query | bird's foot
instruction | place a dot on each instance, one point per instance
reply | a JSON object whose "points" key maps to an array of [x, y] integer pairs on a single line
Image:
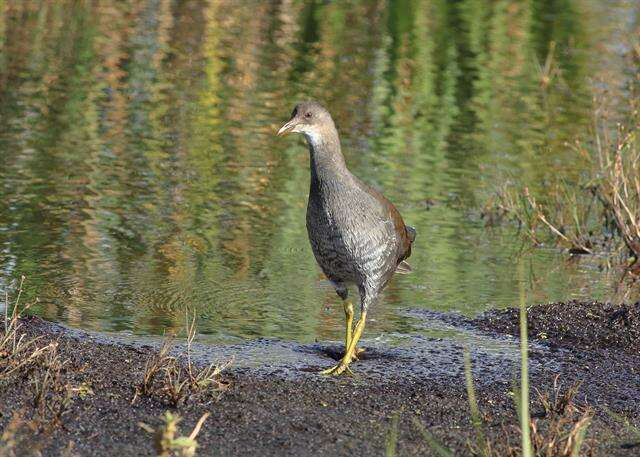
{"points": [[356, 355], [339, 369], [350, 349]]}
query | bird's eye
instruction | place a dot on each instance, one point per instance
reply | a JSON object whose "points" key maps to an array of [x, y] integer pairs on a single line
{"points": [[307, 115]]}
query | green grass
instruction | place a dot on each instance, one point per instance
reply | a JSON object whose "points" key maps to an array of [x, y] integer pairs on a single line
{"points": [[523, 411], [168, 442]]}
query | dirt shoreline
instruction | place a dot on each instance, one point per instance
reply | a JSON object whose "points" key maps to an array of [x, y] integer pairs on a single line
{"points": [[278, 414]]}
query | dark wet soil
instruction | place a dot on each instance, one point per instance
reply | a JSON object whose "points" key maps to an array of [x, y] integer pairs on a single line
{"points": [[584, 325], [279, 411]]}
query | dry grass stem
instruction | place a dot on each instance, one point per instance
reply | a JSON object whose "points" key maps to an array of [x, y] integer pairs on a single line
{"points": [[176, 378], [562, 431], [599, 214], [17, 351]]}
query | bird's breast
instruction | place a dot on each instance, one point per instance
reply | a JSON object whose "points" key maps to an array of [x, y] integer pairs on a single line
{"points": [[350, 240]]}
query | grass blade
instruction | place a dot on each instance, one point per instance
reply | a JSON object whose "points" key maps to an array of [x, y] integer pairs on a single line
{"points": [[580, 434], [392, 436], [438, 448], [476, 419], [524, 415]]}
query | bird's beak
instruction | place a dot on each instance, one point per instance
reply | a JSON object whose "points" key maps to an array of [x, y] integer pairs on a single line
{"points": [[286, 128]]}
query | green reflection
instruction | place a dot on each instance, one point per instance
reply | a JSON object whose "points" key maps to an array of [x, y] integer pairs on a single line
{"points": [[141, 175]]}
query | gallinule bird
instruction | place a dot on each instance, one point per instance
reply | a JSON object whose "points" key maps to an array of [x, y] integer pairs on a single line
{"points": [[356, 234]]}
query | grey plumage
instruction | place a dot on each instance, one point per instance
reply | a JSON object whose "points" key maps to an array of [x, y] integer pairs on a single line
{"points": [[357, 236]]}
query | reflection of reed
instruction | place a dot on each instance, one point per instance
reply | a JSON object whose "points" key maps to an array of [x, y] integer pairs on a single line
{"points": [[144, 175], [114, 23]]}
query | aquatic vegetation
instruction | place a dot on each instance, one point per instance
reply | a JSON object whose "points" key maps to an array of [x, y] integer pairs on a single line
{"points": [[618, 186], [599, 215], [596, 209]]}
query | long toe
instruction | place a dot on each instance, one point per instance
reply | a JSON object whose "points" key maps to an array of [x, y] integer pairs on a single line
{"points": [[338, 370]]}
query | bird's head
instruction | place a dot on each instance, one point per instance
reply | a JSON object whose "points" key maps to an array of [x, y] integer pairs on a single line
{"points": [[311, 119]]}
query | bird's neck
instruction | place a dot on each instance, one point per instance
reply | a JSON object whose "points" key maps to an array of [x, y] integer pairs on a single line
{"points": [[326, 159]]}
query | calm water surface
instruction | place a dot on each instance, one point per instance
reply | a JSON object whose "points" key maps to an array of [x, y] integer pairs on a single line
{"points": [[140, 174]]}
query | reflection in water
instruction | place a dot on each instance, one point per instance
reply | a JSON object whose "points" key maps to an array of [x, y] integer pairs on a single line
{"points": [[141, 175]]}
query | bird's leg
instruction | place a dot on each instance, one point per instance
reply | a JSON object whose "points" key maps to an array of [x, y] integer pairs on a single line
{"points": [[348, 312], [357, 333], [343, 366]]}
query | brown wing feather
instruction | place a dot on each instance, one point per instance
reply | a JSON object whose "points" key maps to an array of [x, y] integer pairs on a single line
{"points": [[407, 234]]}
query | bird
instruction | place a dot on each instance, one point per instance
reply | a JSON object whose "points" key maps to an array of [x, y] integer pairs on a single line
{"points": [[357, 236]]}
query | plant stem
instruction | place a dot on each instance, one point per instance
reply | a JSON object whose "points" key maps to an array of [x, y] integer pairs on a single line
{"points": [[524, 373]]}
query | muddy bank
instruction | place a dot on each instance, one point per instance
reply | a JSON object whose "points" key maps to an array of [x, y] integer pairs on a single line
{"points": [[282, 407], [584, 325]]}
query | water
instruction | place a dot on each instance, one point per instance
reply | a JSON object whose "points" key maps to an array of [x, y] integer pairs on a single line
{"points": [[141, 175]]}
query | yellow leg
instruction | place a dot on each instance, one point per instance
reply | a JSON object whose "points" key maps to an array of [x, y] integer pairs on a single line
{"points": [[348, 312], [349, 354]]}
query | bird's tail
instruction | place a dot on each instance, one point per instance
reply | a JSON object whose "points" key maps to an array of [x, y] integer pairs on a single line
{"points": [[404, 268], [411, 233]]}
